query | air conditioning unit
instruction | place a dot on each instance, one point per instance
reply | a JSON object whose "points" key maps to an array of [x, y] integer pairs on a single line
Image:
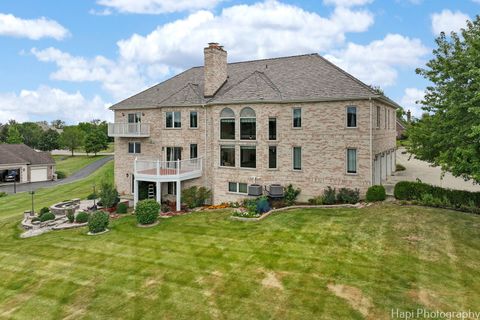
{"points": [[276, 191], [255, 190]]}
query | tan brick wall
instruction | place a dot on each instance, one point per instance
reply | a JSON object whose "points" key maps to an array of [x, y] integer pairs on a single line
{"points": [[323, 137]]}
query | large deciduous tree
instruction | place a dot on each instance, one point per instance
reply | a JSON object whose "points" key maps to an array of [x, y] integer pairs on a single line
{"points": [[95, 141], [31, 133], [449, 134], [49, 140], [71, 138], [13, 135]]}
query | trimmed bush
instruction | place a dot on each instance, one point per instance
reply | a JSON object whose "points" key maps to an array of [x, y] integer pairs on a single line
{"points": [[263, 205], [165, 208], [81, 217], [47, 216], [329, 196], [147, 211], [3, 194], [251, 206], [346, 195], [92, 196], [376, 193], [318, 200], [70, 215], [291, 195], [44, 210], [195, 197], [98, 222], [416, 191], [122, 207], [399, 167], [60, 174]]}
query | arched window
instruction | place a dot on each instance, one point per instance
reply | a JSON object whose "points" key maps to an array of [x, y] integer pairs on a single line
{"points": [[227, 124], [248, 129]]}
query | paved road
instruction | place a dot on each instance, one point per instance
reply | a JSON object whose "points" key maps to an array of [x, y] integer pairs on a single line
{"points": [[80, 174], [432, 175]]}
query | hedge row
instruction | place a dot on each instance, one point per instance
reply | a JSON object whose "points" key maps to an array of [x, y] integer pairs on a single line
{"points": [[406, 190]]}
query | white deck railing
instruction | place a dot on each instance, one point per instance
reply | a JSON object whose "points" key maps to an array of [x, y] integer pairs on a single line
{"points": [[173, 169], [124, 129]]}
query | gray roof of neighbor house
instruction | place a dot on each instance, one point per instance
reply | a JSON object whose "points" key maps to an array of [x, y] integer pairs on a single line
{"points": [[307, 77], [23, 154]]}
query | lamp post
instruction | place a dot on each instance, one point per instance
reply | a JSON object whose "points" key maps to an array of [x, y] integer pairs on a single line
{"points": [[32, 193], [94, 196]]}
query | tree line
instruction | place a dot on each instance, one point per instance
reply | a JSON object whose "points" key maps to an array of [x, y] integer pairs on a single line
{"points": [[92, 136]]}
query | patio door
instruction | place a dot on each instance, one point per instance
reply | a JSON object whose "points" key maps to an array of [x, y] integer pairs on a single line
{"points": [[134, 120], [173, 154]]}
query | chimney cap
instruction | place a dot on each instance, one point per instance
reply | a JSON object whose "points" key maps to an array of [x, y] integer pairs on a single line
{"points": [[215, 45]]}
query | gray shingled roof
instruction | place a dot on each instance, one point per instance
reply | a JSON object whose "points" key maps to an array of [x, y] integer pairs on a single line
{"points": [[20, 153], [296, 78]]}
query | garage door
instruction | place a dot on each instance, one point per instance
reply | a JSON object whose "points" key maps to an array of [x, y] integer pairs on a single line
{"points": [[38, 174]]}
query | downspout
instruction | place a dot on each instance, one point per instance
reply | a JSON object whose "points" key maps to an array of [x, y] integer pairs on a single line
{"points": [[371, 143], [205, 144]]}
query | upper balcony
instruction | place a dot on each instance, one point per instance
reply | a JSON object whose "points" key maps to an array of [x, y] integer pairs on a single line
{"points": [[129, 130], [157, 170]]}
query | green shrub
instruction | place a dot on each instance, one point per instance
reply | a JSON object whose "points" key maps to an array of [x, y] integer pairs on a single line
{"points": [[291, 195], [165, 208], [329, 196], [3, 194], [318, 200], [92, 196], [81, 217], [47, 216], [122, 207], [195, 197], [251, 206], [98, 222], [108, 195], [44, 210], [376, 193], [399, 167], [263, 205], [346, 195], [70, 215], [147, 211], [60, 174]]}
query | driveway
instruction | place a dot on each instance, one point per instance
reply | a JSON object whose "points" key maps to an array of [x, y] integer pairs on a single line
{"points": [[423, 171], [80, 174]]}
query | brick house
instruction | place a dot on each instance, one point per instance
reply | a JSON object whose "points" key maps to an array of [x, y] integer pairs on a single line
{"points": [[226, 126]]}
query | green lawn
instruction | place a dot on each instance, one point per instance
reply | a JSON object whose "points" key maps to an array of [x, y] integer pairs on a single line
{"points": [[70, 165], [303, 264]]}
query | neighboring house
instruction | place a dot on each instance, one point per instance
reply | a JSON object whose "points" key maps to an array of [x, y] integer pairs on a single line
{"points": [[27, 164], [226, 126], [400, 128]]}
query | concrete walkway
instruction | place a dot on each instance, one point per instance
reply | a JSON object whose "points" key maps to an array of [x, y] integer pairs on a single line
{"points": [[428, 174], [80, 174]]}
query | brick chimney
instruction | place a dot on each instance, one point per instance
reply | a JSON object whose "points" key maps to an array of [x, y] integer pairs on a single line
{"points": [[409, 116], [215, 69]]}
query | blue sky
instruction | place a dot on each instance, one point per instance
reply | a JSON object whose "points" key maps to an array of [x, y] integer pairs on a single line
{"points": [[72, 59]]}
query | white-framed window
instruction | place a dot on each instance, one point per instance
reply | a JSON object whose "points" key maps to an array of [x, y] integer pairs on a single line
{"points": [[238, 187], [248, 124], [134, 147], [173, 119], [193, 119], [248, 156], [272, 128], [351, 116], [193, 151], [351, 160], [227, 156], [378, 117], [297, 117], [172, 188], [272, 157], [227, 124], [297, 158]]}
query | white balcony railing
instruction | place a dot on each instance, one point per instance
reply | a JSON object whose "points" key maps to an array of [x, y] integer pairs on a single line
{"points": [[165, 170], [124, 129]]}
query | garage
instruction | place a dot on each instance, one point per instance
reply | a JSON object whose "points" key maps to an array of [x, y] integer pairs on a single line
{"points": [[38, 174]]}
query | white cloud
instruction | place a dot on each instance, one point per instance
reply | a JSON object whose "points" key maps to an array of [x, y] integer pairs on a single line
{"points": [[119, 78], [260, 30], [52, 103], [376, 62], [157, 6], [476, 1], [410, 99], [33, 29], [347, 3], [448, 21]]}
